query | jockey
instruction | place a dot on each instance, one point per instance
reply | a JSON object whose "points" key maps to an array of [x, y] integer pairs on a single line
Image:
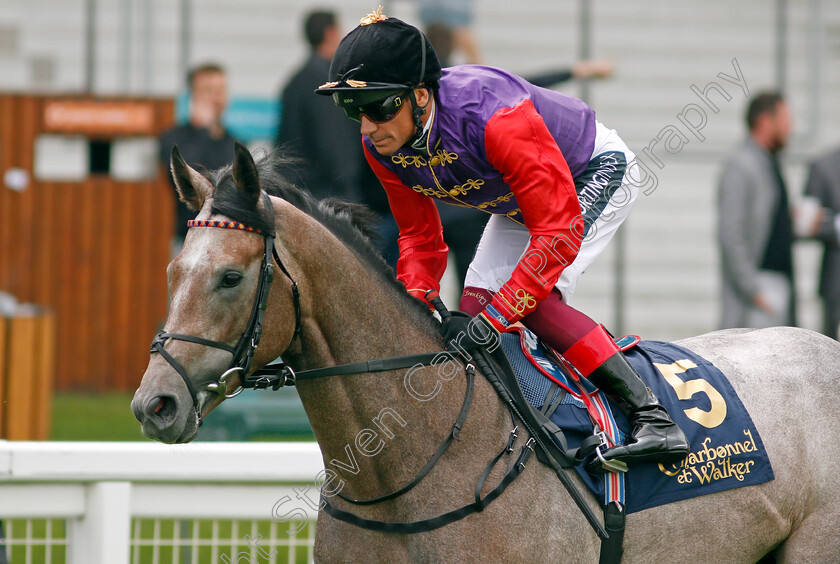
{"points": [[538, 161]]}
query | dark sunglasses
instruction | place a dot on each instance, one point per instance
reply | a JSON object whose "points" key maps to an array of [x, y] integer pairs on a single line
{"points": [[379, 111]]}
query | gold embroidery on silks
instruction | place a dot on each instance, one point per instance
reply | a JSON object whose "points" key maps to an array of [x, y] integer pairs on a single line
{"points": [[432, 192], [408, 160], [493, 203], [524, 301], [445, 157], [457, 190], [373, 17], [462, 189]]}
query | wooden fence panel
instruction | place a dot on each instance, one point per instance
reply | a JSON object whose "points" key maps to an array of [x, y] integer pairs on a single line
{"points": [[27, 370], [20, 385], [44, 377], [3, 347]]}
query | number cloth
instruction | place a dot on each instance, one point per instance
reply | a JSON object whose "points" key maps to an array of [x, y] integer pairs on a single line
{"points": [[726, 449]]}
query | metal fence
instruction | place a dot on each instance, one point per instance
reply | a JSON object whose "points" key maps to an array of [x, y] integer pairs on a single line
{"points": [[115, 503]]}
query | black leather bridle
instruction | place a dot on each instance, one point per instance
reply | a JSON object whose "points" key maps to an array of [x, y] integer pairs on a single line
{"points": [[243, 351]]}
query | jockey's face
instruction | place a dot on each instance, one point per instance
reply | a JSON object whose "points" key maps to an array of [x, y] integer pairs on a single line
{"points": [[387, 137]]}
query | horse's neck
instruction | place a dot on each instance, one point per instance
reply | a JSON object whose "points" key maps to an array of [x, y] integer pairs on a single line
{"points": [[366, 423], [353, 314]]}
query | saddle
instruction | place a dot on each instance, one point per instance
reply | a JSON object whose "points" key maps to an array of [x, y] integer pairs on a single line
{"points": [[727, 451], [552, 449], [539, 381], [548, 381]]}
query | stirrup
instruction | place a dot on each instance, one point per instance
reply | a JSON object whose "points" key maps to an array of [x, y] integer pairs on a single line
{"points": [[607, 465]]}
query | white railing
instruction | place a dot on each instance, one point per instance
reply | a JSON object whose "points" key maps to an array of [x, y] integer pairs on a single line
{"points": [[115, 503]]}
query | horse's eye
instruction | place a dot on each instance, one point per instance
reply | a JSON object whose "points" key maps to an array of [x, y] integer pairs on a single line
{"points": [[231, 279]]}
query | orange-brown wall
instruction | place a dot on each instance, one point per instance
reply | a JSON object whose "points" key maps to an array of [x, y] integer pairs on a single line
{"points": [[94, 251]]}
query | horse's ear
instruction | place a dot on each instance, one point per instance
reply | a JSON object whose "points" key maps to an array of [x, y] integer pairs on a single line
{"points": [[245, 174], [193, 188]]}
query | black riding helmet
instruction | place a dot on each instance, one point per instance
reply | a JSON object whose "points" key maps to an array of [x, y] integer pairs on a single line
{"points": [[379, 60]]}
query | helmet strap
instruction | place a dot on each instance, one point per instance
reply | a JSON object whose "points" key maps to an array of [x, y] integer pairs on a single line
{"points": [[418, 141]]}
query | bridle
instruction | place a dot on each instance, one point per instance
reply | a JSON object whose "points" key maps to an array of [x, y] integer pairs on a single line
{"points": [[243, 351]]}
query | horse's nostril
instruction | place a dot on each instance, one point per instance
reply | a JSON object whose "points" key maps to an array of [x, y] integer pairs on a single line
{"points": [[163, 408]]}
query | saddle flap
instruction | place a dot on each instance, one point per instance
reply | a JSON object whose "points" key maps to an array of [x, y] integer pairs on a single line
{"points": [[627, 342], [550, 364], [554, 368]]}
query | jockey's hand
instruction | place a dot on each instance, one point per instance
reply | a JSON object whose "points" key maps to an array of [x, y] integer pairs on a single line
{"points": [[464, 333], [421, 295]]}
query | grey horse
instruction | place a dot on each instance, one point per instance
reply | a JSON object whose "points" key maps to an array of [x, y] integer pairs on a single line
{"points": [[376, 431]]}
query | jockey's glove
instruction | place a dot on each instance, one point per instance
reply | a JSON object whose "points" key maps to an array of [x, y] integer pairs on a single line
{"points": [[464, 333]]}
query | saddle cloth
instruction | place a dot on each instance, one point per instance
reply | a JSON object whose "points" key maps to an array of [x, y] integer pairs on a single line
{"points": [[726, 449]]}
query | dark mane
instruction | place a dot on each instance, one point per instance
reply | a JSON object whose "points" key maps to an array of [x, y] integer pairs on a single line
{"points": [[353, 224]]}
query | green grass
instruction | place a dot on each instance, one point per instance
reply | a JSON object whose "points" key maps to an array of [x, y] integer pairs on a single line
{"points": [[47, 540], [108, 417], [94, 417]]}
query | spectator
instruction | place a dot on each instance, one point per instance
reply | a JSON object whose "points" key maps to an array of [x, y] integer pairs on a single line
{"points": [[314, 129], [203, 141], [824, 186], [457, 17], [593, 68], [447, 25], [755, 231]]}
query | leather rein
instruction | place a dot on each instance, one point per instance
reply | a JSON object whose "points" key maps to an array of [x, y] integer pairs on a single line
{"points": [[276, 375]]}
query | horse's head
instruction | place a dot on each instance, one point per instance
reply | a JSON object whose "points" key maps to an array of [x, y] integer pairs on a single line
{"points": [[219, 276]]}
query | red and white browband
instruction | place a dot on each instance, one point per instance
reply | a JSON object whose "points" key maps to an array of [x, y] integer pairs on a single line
{"points": [[221, 223]]}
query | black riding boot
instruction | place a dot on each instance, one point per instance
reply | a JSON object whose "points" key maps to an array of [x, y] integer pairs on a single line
{"points": [[655, 437]]}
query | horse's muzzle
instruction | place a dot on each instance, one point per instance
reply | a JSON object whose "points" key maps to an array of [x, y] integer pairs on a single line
{"points": [[161, 419]]}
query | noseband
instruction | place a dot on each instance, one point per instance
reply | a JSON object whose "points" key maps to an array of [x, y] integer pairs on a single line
{"points": [[243, 351]]}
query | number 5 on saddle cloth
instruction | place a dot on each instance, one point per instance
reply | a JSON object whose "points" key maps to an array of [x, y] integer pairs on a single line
{"points": [[726, 449]]}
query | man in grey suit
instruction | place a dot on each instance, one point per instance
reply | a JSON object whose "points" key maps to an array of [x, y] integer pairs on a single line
{"points": [[824, 185], [755, 231]]}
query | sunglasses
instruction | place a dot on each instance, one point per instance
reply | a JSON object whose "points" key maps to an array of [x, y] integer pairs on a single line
{"points": [[377, 112]]}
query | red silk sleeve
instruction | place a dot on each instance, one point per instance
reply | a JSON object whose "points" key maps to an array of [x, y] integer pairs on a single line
{"points": [[519, 145], [423, 252]]}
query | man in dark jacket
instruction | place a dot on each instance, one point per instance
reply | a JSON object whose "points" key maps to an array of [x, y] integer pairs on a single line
{"points": [[312, 128], [202, 140], [824, 185]]}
